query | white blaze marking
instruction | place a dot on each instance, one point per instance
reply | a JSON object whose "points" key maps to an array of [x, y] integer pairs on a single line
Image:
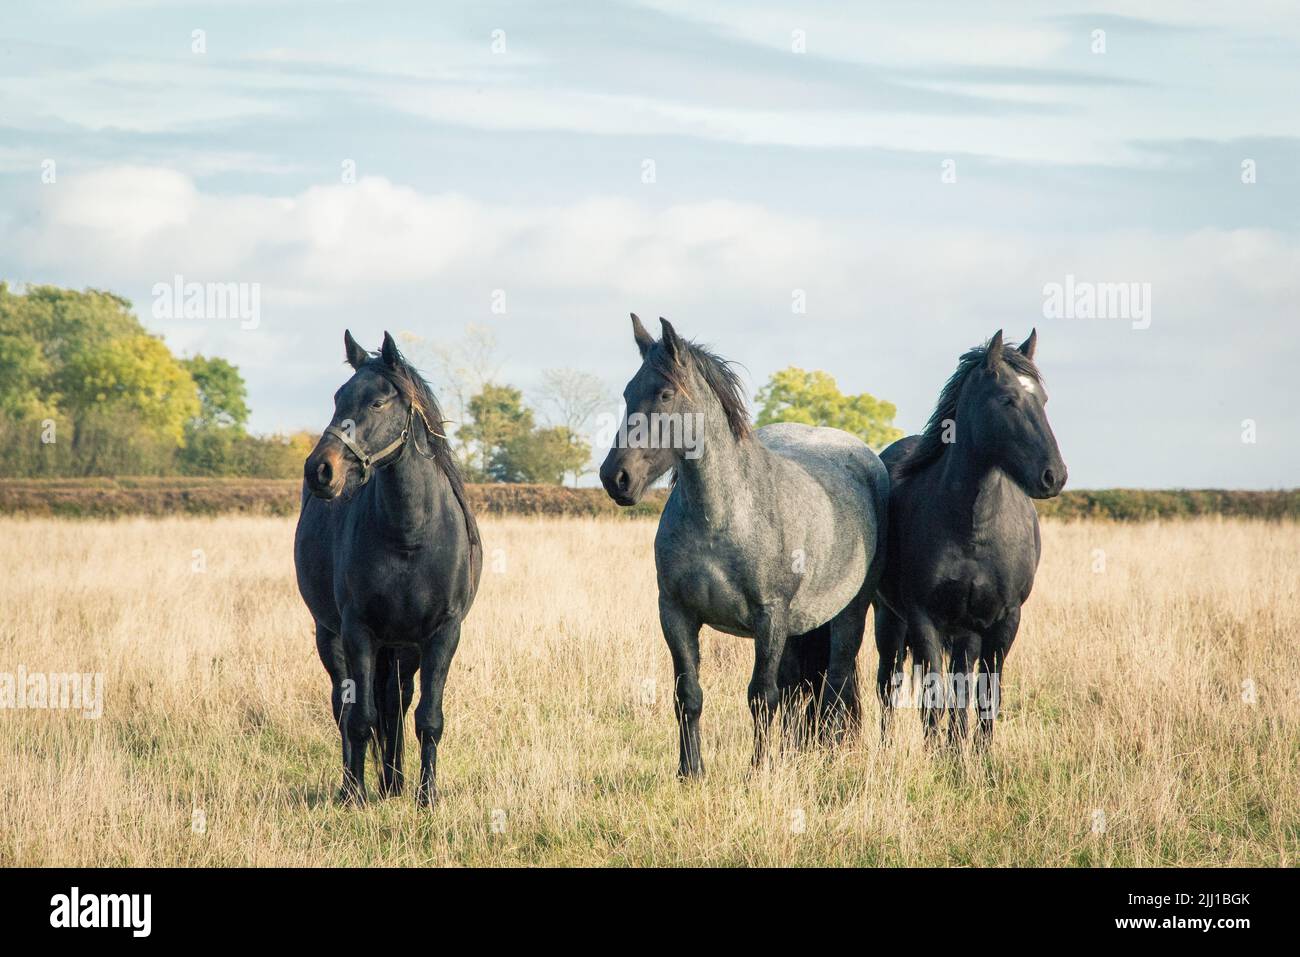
{"points": [[1027, 382]]}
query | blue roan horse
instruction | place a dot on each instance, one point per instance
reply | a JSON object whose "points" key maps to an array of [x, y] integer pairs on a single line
{"points": [[388, 559], [963, 535], [775, 535]]}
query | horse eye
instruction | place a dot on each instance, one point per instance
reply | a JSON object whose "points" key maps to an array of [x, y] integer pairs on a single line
{"points": [[378, 403], [666, 395], [1007, 399]]}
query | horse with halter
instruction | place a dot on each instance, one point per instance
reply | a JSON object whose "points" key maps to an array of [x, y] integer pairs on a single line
{"points": [[388, 559]]}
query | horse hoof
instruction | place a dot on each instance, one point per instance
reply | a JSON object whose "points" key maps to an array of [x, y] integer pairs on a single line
{"points": [[426, 797]]}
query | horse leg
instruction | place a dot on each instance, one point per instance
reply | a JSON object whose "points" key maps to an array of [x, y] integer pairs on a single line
{"points": [[790, 686], [993, 653], [891, 644], [359, 646], [801, 679], [435, 661], [408, 662], [330, 648], [965, 649], [395, 691], [927, 665], [682, 634], [769, 645], [841, 710], [385, 707]]}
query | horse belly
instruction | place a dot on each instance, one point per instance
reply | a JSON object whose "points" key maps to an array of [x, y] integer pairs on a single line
{"points": [[823, 596], [825, 567]]}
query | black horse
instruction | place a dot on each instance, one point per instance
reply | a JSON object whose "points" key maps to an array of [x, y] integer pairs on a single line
{"points": [[388, 558], [963, 535]]}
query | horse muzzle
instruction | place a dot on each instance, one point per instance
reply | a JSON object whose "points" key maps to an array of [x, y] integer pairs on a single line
{"points": [[620, 485], [1052, 481], [325, 471]]}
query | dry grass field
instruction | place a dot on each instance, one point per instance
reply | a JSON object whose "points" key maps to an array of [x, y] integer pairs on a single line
{"points": [[1128, 737]]}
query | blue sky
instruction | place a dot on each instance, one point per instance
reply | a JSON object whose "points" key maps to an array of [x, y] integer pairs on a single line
{"points": [[520, 168]]}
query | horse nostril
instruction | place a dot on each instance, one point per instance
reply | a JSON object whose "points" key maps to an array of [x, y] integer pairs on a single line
{"points": [[621, 480], [1049, 478], [324, 474]]}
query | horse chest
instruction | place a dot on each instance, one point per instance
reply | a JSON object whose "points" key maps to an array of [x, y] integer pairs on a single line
{"points": [[973, 588], [393, 596], [704, 581]]}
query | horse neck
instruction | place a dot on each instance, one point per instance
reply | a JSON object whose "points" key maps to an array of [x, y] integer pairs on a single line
{"points": [[972, 483], [410, 493], [714, 483]]}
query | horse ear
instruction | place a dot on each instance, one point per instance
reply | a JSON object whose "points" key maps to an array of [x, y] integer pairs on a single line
{"points": [[356, 356], [672, 341], [389, 351], [1029, 345], [643, 339], [993, 354]]}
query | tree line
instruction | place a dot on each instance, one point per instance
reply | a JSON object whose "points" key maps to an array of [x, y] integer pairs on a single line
{"points": [[86, 390]]}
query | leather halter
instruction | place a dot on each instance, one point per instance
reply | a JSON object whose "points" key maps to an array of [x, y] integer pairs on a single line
{"points": [[369, 461]]}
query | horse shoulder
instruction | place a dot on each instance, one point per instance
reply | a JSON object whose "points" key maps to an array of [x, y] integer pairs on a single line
{"points": [[704, 572]]}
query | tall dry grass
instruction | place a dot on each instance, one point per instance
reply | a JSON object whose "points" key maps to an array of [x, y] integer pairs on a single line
{"points": [[1126, 737]]}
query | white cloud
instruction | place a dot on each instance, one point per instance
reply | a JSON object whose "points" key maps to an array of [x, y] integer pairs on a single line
{"points": [[889, 307], [142, 223]]}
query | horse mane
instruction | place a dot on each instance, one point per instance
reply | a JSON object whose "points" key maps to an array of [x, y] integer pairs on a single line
{"points": [[416, 390], [932, 446], [717, 373]]}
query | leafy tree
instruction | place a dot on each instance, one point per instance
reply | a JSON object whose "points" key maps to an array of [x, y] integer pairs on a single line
{"points": [[63, 319], [568, 453], [80, 369], [223, 396], [813, 398], [541, 455], [497, 417], [510, 448], [23, 369], [228, 451], [136, 376]]}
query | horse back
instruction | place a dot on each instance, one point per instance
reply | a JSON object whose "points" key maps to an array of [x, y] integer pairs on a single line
{"points": [[833, 457]]}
